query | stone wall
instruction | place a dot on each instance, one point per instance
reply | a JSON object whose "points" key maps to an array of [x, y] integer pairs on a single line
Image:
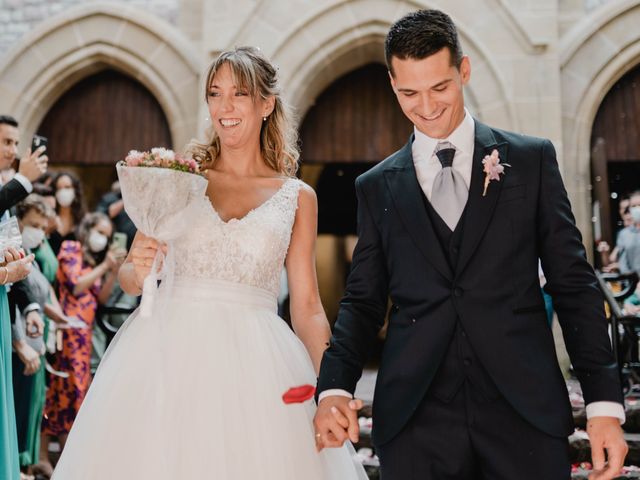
{"points": [[17, 17], [539, 67]]}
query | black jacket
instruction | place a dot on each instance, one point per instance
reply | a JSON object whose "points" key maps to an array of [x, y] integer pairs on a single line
{"points": [[494, 290], [11, 194]]}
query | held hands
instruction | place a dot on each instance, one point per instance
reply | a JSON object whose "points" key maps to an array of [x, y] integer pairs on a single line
{"points": [[605, 433], [34, 164], [143, 253], [336, 421]]}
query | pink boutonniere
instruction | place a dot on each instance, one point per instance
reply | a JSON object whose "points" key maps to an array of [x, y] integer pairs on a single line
{"points": [[492, 169]]}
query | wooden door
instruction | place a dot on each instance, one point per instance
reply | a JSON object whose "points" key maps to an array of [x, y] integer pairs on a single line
{"points": [[96, 122], [355, 123], [615, 143]]}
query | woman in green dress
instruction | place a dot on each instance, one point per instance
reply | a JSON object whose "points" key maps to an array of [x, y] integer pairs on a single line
{"points": [[29, 376], [13, 269]]}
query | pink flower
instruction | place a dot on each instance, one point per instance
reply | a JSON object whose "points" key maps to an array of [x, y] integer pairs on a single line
{"points": [[492, 169], [162, 158], [134, 158]]}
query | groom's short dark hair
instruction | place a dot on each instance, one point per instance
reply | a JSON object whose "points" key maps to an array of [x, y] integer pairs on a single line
{"points": [[420, 34]]}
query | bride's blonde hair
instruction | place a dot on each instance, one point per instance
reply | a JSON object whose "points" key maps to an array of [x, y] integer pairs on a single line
{"points": [[278, 138]]}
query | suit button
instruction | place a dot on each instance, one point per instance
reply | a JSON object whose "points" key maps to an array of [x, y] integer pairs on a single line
{"points": [[464, 334], [413, 320], [457, 292], [467, 362], [396, 308]]}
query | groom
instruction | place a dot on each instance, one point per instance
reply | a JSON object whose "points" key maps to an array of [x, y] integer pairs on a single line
{"points": [[469, 385]]}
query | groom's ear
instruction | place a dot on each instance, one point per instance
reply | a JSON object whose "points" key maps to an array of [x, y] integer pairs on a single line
{"points": [[465, 69]]}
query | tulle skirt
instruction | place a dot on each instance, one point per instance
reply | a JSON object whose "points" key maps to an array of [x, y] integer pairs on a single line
{"points": [[195, 391]]}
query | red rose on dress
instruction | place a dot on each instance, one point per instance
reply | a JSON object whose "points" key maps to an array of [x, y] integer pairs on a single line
{"points": [[299, 394]]}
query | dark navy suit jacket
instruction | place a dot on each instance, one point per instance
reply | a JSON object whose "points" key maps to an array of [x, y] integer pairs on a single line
{"points": [[494, 290]]}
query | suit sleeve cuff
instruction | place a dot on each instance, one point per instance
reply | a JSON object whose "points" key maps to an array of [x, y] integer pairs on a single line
{"points": [[24, 181], [606, 409], [334, 392]]}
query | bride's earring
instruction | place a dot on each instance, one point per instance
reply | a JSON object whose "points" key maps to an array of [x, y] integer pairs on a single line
{"points": [[264, 119]]}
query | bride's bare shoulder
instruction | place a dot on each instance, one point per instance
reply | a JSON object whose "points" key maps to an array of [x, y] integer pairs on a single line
{"points": [[307, 196]]}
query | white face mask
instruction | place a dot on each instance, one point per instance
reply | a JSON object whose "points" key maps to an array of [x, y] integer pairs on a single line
{"points": [[635, 214], [32, 237], [65, 196], [97, 241]]}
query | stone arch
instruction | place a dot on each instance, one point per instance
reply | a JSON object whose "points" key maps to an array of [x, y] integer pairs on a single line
{"points": [[594, 55], [324, 46], [90, 38]]}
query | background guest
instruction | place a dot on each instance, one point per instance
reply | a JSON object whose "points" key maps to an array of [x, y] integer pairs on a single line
{"points": [[33, 215], [86, 277], [70, 209]]}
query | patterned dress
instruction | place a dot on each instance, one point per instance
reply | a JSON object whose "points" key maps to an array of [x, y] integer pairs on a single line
{"points": [[65, 395]]}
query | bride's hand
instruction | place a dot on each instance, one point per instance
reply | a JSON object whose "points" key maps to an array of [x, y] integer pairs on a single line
{"points": [[143, 253]]}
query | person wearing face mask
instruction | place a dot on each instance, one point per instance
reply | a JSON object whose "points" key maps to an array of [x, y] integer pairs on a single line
{"points": [[13, 189], [36, 300], [45, 256], [86, 277], [69, 207], [628, 243]]}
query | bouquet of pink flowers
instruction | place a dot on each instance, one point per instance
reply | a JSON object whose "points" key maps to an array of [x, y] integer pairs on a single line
{"points": [[161, 158], [160, 190]]}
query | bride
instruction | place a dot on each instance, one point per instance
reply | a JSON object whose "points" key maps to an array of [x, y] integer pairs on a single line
{"points": [[195, 390]]}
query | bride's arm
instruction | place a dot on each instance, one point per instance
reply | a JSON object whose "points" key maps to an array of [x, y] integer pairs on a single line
{"points": [[138, 263], [307, 315]]}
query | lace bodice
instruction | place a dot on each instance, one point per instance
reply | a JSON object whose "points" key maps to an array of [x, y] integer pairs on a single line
{"points": [[250, 250]]}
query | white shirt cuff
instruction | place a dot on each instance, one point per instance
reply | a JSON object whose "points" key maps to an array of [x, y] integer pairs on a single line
{"points": [[24, 181], [32, 307], [334, 392], [606, 409]]}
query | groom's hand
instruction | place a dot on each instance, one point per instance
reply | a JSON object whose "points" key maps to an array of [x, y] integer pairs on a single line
{"points": [[336, 421], [605, 433]]}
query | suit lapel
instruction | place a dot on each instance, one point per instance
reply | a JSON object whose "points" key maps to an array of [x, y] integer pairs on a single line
{"points": [[479, 209], [408, 198]]}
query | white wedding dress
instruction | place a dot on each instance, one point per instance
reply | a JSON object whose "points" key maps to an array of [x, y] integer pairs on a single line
{"points": [[195, 389]]}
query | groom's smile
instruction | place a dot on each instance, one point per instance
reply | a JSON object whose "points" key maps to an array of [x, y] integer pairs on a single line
{"points": [[433, 117]]}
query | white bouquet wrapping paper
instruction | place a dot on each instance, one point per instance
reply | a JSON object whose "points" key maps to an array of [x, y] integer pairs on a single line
{"points": [[161, 204]]}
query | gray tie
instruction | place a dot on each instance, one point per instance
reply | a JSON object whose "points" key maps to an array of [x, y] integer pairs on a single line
{"points": [[449, 194]]}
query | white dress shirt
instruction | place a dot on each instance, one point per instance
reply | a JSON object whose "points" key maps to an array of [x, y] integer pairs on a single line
{"points": [[427, 163], [427, 167]]}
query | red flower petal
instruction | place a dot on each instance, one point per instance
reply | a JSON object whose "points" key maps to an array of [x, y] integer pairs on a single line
{"points": [[299, 394]]}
